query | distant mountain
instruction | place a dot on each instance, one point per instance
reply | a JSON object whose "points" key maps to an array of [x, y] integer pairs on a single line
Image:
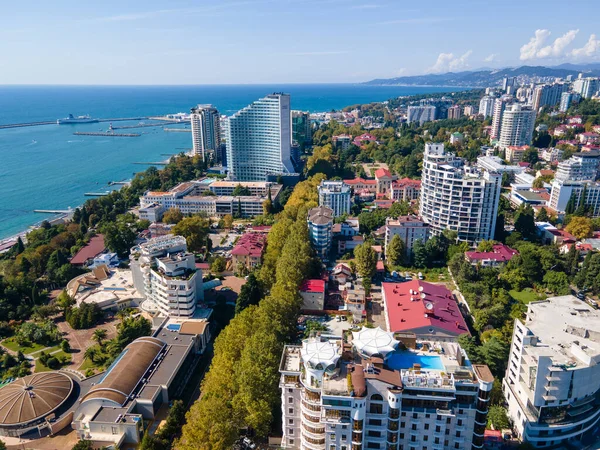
{"points": [[489, 77]]}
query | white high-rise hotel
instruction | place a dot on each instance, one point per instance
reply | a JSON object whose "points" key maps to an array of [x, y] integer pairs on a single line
{"points": [[382, 398], [458, 197], [517, 126], [552, 382], [258, 139], [206, 130]]}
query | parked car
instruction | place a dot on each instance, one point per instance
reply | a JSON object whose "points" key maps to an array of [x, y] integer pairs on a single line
{"points": [[581, 296]]}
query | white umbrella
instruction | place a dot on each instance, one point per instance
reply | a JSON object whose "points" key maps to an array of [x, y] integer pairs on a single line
{"points": [[374, 341]]}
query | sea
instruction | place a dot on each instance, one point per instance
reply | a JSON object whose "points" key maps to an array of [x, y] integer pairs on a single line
{"points": [[48, 167]]}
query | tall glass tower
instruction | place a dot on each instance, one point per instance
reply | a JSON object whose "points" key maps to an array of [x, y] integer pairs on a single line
{"points": [[258, 139]]}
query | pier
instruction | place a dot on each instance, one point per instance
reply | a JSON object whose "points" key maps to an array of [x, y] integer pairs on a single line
{"points": [[107, 133], [53, 122], [53, 211], [152, 163], [178, 130], [139, 125], [96, 194]]}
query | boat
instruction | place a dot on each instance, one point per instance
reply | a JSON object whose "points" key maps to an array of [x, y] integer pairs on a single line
{"points": [[79, 119]]}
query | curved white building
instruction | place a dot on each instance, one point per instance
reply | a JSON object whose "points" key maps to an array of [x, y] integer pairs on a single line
{"points": [[552, 382], [259, 139], [458, 197]]}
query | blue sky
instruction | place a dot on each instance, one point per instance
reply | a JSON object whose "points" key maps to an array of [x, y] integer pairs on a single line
{"points": [[269, 41]]}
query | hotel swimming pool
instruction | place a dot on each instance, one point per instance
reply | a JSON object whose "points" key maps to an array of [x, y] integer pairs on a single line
{"points": [[406, 360]]}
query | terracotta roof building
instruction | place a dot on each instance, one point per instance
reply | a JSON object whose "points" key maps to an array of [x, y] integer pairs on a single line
{"points": [[406, 190], [499, 255], [249, 250], [428, 310], [313, 294], [90, 251]]}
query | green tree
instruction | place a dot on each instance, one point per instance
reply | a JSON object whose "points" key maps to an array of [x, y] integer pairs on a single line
{"points": [[172, 215], [228, 221], [83, 445], [65, 346], [241, 191], [542, 215], [485, 246], [395, 251], [366, 260], [99, 336], [419, 254], [194, 229], [525, 223], [250, 294], [498, 418], [530, 155], [557, 282], [538, 183], [218, 265], [119, 237], [495, 354], [581, 209]]}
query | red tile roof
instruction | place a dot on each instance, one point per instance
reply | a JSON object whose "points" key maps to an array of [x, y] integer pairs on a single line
{"points": [[313, 286], [359, 180], [250, 244], [380, 173], [91, 250], [406, 306], [406, 182], [501, 253]]}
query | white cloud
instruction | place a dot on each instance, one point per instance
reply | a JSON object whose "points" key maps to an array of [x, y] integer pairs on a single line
{"points": [[447, 62], [491, 58], [536, 48], [589, 50]]}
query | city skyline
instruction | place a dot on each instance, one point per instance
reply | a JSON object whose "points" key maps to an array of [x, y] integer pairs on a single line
{"points": [[148, 43]]}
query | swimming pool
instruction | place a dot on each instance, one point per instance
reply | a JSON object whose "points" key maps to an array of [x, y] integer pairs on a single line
{"points": [[406, 360], [173, 327]]}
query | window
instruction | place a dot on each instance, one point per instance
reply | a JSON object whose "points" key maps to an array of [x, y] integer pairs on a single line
{"points": [[414, 427], [427, 426], [290, 399], [290, 410], [291, 431], [290, 390], [456, 445], [437, 429], [291, 441], [291, 421], [458, 434], [114, 430]]}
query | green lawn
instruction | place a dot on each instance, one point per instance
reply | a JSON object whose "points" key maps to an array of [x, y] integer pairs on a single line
{"points": [[39, 367], [87, 364], [527, 295], [37, 353], [433, 275], [12, 345]]}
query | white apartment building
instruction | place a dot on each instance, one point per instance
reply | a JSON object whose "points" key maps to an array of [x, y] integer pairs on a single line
{"points": [[383, 398], [565, 101], [572, 177], [259, 138], [500, 105], [165, 274], [335, 195], [206, 129], [586, 87], [517, 126], [420, 114], [320, 229], [552, 382], [409, 228], [458, 197]]}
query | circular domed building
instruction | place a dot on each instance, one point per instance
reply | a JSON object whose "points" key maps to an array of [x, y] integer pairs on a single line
{"points": [[34, 400]]}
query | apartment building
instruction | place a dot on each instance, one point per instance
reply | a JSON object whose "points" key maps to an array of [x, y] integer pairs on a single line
{"points": [[164, 273], [405, 190], [458, 197], [455, 112], [500, 105], [335, 195], [259, 139], [420, 114], [320, 226], [517, 126], [496, 164], [408, 228], [206, 129], [574, 176], [552, 383], [248, 251], [486, 106], [382, 398], [301, 127]]}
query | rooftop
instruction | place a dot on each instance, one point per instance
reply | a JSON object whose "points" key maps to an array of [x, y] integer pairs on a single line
{"points": [[313, 286], [103, 286], [320, 215], [500, 253], [359, 180], [90, 251], [250, 244], [418, 305], [380, 173], [567, 329]]}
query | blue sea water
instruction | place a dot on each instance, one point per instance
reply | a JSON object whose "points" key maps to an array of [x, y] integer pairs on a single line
{"points": [[47, 167]]}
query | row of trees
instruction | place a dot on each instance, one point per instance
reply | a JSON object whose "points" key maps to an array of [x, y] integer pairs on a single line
{"points": [[241, 388]]}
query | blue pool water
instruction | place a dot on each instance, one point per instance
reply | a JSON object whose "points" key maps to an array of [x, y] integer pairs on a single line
{"points": [[406, 360], [173, 326]]}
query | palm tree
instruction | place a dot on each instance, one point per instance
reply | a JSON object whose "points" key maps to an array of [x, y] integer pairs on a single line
{"points": [[90, 353], [99, 335]]}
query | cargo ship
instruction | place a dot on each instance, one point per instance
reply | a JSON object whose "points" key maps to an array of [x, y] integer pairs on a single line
{"points": [[79, 119]]}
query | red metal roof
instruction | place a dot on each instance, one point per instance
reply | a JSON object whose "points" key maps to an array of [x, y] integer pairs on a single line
{"points": [[501, 253], [379, 173], [408, 311], [91, 250], [251, 244], [359, 180], [313, 286]]}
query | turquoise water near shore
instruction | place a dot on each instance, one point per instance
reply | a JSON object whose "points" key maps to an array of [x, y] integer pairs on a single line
{"points": [[47, 167]]}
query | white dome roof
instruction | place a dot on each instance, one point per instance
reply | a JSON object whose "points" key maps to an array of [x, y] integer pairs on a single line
{"points": [[315, 353], [373, 341]]}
